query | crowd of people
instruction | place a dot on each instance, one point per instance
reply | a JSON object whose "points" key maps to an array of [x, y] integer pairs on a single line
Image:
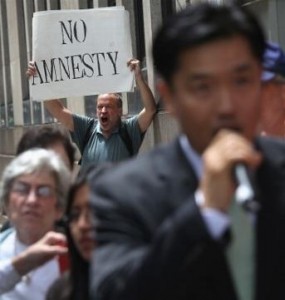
{"points": [[168, 224]]}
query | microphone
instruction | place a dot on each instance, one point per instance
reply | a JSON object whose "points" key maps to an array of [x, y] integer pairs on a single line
{"points": [[244, 193]]}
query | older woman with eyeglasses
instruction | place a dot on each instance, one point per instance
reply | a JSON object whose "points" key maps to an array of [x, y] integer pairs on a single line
{"points": [[33, 191]]}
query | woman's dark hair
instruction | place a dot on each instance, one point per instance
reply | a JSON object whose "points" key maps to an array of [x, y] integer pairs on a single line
{"points": [[79, 271], [202, 23], [79, 267]]}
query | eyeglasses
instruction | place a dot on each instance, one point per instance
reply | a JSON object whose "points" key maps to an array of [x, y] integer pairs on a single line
{"points": [[24, 189]]}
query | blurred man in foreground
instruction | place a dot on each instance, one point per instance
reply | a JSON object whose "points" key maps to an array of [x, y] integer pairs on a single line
{"points": [[166, 227]]}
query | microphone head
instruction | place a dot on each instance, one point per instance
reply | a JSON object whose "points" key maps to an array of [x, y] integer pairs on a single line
{"points": [[244, 195]]}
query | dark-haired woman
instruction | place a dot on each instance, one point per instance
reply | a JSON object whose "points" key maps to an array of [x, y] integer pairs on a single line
{"points": [[79, 224]]}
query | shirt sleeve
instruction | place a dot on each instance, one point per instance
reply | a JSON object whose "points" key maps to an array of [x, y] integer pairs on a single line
{"points": [[135, 133], [216, 221], [9, 277], [81, 124]]}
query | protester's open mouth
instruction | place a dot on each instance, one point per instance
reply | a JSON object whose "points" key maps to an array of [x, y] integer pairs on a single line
{"points": [[104, 120]]}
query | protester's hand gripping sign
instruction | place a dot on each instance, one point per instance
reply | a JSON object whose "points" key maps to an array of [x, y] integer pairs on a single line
{"points": [[81, 52]]}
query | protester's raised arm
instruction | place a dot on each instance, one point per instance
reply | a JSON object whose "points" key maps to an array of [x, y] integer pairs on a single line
{"points": [[147, 113], [55, 107], [60, 112]]}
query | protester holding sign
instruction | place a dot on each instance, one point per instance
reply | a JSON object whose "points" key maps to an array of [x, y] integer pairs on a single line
{"points": [[111, 138]]}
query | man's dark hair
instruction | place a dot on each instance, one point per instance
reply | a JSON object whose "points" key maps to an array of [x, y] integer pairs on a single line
{"points": [[45, 137], [199, 24]]}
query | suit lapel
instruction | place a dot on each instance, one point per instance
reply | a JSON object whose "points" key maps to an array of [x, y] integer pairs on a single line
{"points": [[174, 168]]}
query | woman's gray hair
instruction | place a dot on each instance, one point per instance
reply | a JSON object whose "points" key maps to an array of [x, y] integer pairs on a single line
{"points": [[33, 161]]}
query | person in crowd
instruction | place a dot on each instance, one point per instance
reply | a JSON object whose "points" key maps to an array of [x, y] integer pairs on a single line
{"points": [[48, 137], [111, 138], [273, 92], [33, 192], [78, 224], [165, 229]]}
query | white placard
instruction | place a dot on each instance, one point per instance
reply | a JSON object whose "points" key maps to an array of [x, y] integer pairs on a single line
{"points": [[81, 52]]}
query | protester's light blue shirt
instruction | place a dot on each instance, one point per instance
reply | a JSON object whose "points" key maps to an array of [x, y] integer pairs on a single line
{"points": [[99, 149]]}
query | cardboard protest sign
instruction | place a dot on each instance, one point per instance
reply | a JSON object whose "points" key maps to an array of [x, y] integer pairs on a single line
{"points": [[81, 52]]}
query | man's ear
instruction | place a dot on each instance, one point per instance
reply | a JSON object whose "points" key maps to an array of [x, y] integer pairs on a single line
{"points": [[166, 94]]}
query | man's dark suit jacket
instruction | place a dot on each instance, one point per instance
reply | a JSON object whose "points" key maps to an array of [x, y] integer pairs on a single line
{"points": [[152, 240]]}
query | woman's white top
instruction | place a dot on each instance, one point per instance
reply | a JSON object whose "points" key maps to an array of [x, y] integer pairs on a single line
{"points": [[32, 286]]}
